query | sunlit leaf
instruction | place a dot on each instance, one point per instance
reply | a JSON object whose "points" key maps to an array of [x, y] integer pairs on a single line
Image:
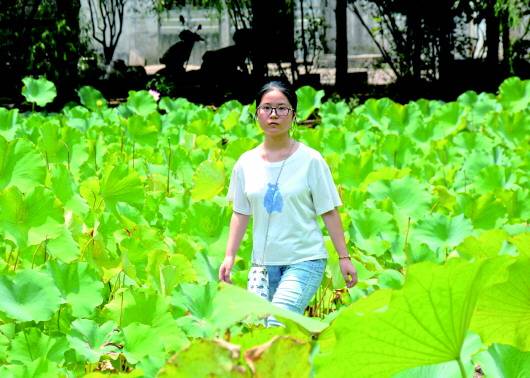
{"points": [[38, 91], [29, 295], [503, 311], [20, 164], [208, 180], [92, 340], [424, 323]]}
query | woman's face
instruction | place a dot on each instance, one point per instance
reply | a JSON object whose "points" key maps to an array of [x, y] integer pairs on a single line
{"points": [[271, 113]]}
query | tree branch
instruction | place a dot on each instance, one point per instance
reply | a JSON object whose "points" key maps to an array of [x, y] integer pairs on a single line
{"points": [[381, 49]]}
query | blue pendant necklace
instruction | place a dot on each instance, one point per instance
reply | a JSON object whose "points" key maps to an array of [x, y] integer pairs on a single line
{"points": [[273, 200]]}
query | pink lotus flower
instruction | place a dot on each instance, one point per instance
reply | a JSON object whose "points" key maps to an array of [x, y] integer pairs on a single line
{"points": [[155, 94]]}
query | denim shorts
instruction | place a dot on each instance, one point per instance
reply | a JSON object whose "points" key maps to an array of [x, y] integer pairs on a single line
{"points": [[291, 287]]}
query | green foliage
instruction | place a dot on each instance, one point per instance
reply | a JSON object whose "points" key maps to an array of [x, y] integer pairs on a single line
{"points": [[38, 91], [29, 295], [113, 223], [309, 100]]}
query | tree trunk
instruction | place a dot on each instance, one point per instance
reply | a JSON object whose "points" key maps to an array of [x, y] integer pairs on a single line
{"points": [[414, 42], [492, 35], [506, 44], [445, 41], [341, 50]]}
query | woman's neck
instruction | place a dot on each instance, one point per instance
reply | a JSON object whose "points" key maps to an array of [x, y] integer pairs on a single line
{"points": [[276, 144]]}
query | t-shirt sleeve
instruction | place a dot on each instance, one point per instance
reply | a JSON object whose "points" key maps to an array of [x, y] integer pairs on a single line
{"points": [[323, 189], [236, 191]]}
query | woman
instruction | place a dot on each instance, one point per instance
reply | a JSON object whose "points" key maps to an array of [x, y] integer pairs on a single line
{"points": [[284, 185]]}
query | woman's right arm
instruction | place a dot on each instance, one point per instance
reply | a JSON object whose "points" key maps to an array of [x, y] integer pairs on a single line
{"points": [[238, 226]]}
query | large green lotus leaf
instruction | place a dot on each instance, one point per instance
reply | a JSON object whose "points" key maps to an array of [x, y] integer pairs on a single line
{"points": [[166, 277], [480, 106], [466, 142], [144, 130], [59, 241], [34, 212], [372, 230], [208, 180], [232, 119], [487, 244], [65, 188], [50, 142], [232, 304], [29, 295], [425, 323], [200, 122], [517, 203], [8, 122], [398, 150], [38, 91], [20, 165], [311, 137], [92, 340], [493, 178], [185, 245], [353, 169], [440, 231], [39, 368], [132, 310], [275, 358], [259, 336], [139, 240], [333, 114], [79, 285], [384, 173], [226, 305], [91, 98], [513, 128], [447, 120], [403, 117], [235, 148], [334, 141], [504, 361], [121, 185], [407, 194], [182, 166], [309, 100], [206, 220], [31, 343], [443, 370], [503, 312], [522, 242], [422, 133], [375, 111], [451, 369], [140, 340], [196, 299], [205, 358], [130, 307], [177, 105], [485, 212], [7, 333], [141, 103], [390, 279], [514, 94]]}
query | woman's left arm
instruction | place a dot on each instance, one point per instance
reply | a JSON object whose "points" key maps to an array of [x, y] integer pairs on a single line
{"points": [[336, 232]]}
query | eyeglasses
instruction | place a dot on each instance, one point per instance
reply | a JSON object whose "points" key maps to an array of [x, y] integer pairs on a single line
{"points": [[281, 111]]}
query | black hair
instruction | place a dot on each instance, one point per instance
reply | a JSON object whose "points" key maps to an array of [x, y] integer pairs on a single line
{"points": [[284, 87]]}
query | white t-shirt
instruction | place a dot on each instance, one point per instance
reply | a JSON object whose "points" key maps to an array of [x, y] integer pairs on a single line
{"points": [[305, 190]]}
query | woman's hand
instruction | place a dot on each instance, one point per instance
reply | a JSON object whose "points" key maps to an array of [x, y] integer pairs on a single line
{"points": [[348, 272], [225, 268]]}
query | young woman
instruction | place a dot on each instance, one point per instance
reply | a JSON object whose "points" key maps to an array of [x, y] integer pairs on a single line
{"points": [[285, 185]]}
